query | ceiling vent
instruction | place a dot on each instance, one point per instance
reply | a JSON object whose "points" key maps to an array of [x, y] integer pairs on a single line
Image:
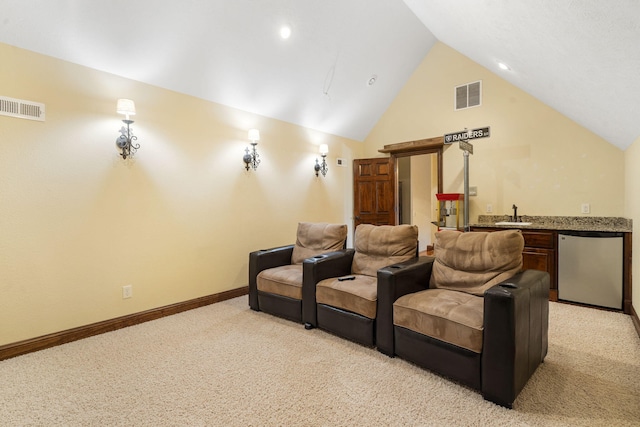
{"points": [[468, 95], [21, 109]]}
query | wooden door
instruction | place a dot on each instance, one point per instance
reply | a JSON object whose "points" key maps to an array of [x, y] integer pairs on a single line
{"points": [[374, 191]]}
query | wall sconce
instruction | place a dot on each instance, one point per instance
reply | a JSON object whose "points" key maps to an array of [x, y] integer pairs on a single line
{"points": [[251, 159], [125, 140], [322, 167]]}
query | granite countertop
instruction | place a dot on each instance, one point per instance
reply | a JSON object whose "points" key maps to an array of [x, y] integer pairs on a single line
{"points": [[566, 223]]}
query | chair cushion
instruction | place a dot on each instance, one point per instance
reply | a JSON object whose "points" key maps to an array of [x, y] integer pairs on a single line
{"points": [[378, 246], [285, 280], [449, 316], [359, 295], [474, 262], [317, 238]]}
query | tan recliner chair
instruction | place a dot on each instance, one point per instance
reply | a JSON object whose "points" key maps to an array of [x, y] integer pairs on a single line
{"points": [[470, 313], [276, 274], [344, 300]]}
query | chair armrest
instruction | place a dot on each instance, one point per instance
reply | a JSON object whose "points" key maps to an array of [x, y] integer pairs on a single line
{"points": [[515, 342], [262, 260], [317, 268], [395, 281]]}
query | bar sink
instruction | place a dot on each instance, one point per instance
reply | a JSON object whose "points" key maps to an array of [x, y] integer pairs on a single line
{"points": [[512, 223]]}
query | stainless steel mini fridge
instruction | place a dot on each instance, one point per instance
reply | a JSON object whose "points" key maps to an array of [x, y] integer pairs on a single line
{"points": [[590, 268]]}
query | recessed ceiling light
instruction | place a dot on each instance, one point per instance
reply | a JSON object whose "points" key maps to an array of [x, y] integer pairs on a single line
{"points": [[504, 66], [285, 31]]}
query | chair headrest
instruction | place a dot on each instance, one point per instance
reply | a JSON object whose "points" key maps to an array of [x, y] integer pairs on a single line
{"points": [[473, 262], [317, 238], [378, 246]]}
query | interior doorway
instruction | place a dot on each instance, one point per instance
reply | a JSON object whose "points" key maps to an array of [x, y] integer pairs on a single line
{"points": [[417, 187], [424, 179]]}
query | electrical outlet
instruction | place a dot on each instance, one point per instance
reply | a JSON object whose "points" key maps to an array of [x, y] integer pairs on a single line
{"points": [[489, 208], [585, 208], [127, 291]]}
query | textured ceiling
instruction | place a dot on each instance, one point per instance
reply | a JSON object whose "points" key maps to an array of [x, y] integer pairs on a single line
{"points": [[580, 57]]}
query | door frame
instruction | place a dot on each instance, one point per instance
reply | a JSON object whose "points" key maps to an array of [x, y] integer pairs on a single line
{"points": [[433, 145]]}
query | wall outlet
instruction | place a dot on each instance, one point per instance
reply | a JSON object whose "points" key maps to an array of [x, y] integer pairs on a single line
{"points": [[489, 208], [473, 191], [127, 291], [585, 208]]}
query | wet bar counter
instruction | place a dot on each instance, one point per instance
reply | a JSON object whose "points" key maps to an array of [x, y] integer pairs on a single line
{"points": [[561, 223], [541, 242]]}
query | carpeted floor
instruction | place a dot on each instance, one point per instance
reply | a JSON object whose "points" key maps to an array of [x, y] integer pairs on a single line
{"points": [[229, 366]]}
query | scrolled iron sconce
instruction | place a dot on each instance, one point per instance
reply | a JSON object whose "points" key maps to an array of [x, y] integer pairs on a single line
{"points": [[251, 158], [322, 167], [125, 141]]}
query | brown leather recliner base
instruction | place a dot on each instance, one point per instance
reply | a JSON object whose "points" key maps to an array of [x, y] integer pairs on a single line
{"points": [[346, 324], [448, 360], [281, 306]]}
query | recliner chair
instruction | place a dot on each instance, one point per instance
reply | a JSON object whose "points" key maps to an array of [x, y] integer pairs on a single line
{"points": [[276, 274], [343, 297], [470, 313]]}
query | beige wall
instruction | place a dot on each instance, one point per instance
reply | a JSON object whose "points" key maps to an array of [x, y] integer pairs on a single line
{"points": [[535, 158], [177, 222], [632, 160]]}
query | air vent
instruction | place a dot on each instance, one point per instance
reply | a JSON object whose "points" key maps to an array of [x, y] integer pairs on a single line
{"points": [[468, 95], [21, 109]]}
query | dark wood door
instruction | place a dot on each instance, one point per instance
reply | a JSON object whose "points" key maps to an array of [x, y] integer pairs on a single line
{"points": [[374, 191]]}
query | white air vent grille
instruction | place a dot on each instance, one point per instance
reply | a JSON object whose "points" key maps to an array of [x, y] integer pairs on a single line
{"points": [[468, 95], [21, 109]]}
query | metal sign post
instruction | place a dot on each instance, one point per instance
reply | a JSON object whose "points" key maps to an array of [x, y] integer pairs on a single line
{"points": [[467, 149], [462, 138]]}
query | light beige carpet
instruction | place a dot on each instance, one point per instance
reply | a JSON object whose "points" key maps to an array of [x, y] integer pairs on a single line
{"points": [[227, 365]]}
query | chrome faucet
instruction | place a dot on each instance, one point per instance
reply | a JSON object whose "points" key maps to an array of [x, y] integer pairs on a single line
{"points": [[515, 213]]}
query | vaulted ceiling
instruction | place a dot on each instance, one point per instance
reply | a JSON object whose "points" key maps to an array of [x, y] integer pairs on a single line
{"points": [[346, 60]]}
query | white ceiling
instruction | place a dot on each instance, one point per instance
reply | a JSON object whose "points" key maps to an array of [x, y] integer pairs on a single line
{"points": [[581, 57]]}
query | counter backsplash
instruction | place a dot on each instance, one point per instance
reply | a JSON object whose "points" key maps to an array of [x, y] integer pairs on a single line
{"points": [[587, 223]]}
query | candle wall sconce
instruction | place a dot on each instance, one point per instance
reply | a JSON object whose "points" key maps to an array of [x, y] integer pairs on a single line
{"points": [[251, 157], [125, 141], [322, 167]]}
